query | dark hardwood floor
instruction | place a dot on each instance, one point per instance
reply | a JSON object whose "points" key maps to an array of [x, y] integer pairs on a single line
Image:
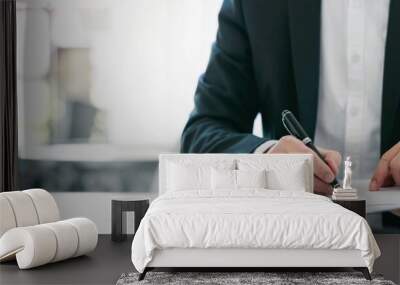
{"points": [[111, 259], [102, 266]]}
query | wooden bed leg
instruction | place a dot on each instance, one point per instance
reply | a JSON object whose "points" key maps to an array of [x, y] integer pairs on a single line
{"points": [[143, 274], [364, 271]]}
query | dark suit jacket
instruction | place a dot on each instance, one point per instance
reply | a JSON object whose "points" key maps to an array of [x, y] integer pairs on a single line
{"points": [[266, 59]]}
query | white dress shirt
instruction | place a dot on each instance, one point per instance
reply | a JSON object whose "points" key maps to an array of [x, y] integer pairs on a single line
{"points": [[353, 38]]}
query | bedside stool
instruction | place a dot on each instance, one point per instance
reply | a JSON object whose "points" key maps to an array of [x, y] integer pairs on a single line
{"points": [[356, 206], [118, 221]]}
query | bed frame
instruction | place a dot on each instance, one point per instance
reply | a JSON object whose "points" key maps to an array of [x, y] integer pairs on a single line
{"points": [[249, 259], [245, 259]]}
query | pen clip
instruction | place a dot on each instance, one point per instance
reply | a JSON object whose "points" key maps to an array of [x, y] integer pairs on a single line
{"points": [[287, 128]]}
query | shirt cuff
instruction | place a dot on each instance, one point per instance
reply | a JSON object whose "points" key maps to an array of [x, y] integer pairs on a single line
{"points": [[263, 148]]}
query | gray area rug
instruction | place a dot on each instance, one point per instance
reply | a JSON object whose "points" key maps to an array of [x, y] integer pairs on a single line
{"points": [[269, 278]]}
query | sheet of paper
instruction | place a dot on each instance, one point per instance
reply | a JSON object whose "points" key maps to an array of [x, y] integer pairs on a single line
{"points": [[394, 188], [386, 199]]}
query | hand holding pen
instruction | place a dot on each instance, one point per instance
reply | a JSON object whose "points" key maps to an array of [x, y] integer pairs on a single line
{"points": [[326, 162]]}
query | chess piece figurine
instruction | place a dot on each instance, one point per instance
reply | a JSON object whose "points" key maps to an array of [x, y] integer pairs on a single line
{"points": [[347, 174]]}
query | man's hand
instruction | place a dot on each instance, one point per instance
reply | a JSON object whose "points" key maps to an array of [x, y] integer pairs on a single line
{"points": [[387, 173], [323, 174]]}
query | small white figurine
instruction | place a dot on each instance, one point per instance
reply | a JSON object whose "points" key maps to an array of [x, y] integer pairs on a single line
{"points": [[347, 192], [347, 174]]}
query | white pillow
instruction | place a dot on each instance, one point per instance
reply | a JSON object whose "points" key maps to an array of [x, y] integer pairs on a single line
{"points": [[187, 177], [193, 174], [251, 178], [295, 180], [282, 174], [225, 179]]}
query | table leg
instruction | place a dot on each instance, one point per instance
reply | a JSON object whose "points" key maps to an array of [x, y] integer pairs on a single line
{"points": [[140, 211], [116, 221]]}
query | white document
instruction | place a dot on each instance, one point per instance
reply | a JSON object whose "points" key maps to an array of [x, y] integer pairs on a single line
{"points": [[386, 199]]}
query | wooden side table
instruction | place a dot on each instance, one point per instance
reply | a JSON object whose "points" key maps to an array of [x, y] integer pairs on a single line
{"points": [[356, 206], [118, 221]]}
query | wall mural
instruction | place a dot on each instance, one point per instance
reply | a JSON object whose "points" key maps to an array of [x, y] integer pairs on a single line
{"points": [[104, 86]]}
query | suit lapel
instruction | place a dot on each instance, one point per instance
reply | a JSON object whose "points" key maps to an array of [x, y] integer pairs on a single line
{"points": [[305, 24], [390, 133]]}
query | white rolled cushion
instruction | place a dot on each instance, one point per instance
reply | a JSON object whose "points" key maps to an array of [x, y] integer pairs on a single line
{"points": [[251, 178], [87, 234], [37, 245], [33, 246], [7, 218], [45, 205], [223, 179], [67, 239], [23, 208]]}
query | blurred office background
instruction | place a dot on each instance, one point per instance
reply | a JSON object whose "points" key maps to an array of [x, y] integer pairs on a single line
{"points": [[104, 86]]}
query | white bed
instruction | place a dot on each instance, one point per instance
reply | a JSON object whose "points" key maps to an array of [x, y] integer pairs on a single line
{"points": [[197, 224]]}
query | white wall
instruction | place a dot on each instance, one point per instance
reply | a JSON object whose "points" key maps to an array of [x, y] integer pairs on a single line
{"points": [[95, 206]]}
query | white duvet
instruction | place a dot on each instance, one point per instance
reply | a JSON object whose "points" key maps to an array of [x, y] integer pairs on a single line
{"points": [[250, 219]]}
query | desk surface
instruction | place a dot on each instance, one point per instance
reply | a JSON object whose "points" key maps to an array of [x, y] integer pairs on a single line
{"points": [[384, 223], [379, 207]]}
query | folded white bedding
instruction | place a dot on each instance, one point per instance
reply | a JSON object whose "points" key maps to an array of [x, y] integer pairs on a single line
{"points": [[250, 219]]}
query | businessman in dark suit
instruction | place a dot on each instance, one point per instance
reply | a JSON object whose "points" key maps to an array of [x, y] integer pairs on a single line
{"points": [[334, 64]]}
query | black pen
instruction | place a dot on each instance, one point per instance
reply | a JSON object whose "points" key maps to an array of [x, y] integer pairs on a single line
{"points": [[295, 129]]}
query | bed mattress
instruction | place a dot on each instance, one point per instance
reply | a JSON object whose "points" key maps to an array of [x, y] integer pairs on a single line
{"points": [[250, 219]]}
